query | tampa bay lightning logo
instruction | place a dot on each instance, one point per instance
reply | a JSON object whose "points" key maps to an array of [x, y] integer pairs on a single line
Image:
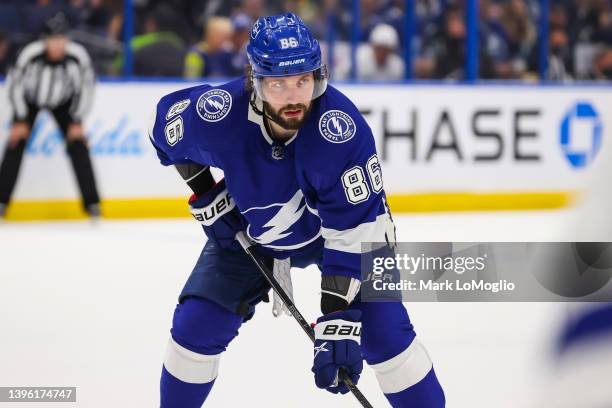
{"points": [[214, 105], [256, 29], [284, 225], [337, 126], [280, 223]]}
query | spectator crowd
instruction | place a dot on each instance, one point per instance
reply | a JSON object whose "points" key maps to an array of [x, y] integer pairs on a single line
{"points": [[207, 38]]}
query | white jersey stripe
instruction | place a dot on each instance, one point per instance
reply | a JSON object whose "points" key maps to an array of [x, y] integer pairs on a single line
{"points": [[43, 87], [17, 94], [404, 370], [350, 240], [289, 247], [56, 85], [190, 367]]}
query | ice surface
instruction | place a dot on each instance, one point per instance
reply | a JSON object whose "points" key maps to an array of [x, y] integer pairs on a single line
{"points": [[91, 306]]}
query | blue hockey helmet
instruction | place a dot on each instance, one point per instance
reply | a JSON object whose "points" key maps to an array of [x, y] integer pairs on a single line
{"points": [[282, 45]]}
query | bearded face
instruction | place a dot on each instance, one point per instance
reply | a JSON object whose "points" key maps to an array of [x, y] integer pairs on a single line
{"points": [[288, 100], [290, 117]]}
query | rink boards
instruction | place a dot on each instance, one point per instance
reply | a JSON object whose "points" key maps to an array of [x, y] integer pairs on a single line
{"points": [[442, 148]]}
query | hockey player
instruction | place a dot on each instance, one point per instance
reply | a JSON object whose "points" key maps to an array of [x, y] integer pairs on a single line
{"points": [[306, 187]]}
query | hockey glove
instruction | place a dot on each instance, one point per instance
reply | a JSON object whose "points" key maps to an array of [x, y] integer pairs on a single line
{"points": [[337, 344], [219, 216]]}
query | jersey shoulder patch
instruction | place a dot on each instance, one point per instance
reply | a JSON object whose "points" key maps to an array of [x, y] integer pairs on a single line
{"points": [[169, 123], [341, 138], [217, 103], [199, 122], [339, 120], [177, 108], [214, 105], [337, 126], [168, 126]]}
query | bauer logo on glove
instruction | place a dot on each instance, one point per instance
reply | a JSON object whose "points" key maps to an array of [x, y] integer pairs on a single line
{"points": [[342, 330], [208, 211], [218, 214], [337, 345]]}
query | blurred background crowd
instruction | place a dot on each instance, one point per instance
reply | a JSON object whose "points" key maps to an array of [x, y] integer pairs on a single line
{"points": [[207, 38]]}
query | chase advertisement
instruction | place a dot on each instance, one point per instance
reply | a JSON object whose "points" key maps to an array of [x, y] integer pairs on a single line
{"points": [[429, 138]]}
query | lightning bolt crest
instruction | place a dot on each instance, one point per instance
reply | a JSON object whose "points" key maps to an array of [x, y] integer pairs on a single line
{"points": [[336, 124], [288, 215], [215, 104]]}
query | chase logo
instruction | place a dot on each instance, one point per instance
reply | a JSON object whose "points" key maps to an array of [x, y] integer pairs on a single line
{"points": [[580, 134], [214, 105], [336, 126]]}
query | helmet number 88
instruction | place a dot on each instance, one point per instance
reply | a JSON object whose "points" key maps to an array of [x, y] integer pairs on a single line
{"points": [[355, 184], [290, 42]]}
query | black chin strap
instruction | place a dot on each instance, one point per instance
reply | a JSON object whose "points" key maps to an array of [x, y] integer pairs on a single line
{"points": [[258, 111], [261, 112]]}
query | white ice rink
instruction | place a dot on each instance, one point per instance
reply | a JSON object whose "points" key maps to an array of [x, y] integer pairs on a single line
{"points": [[91, 306]]}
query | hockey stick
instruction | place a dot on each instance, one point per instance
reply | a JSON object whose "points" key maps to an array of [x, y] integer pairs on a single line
{"points": [[269, 275]]}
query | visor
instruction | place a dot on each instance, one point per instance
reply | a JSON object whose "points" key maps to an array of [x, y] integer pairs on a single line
{"points": [[273, 87]]}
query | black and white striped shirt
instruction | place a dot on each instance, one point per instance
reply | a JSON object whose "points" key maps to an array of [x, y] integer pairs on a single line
{"points": [[47, 85]]}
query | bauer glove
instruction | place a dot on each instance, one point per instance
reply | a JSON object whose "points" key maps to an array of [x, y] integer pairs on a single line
{"points": [[337, 345], [219, 216]]}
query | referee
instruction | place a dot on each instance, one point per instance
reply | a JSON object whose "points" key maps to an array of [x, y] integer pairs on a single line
{"points": [[55, 74]]}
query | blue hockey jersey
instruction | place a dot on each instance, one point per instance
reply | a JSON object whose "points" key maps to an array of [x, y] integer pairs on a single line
{"points": [[324, 182]]}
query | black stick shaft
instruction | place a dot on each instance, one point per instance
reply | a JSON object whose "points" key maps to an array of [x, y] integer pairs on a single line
{"points": [[278, 289]]}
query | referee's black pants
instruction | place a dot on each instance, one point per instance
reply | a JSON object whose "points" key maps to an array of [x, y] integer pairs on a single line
{"points": [[77, 151]]}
